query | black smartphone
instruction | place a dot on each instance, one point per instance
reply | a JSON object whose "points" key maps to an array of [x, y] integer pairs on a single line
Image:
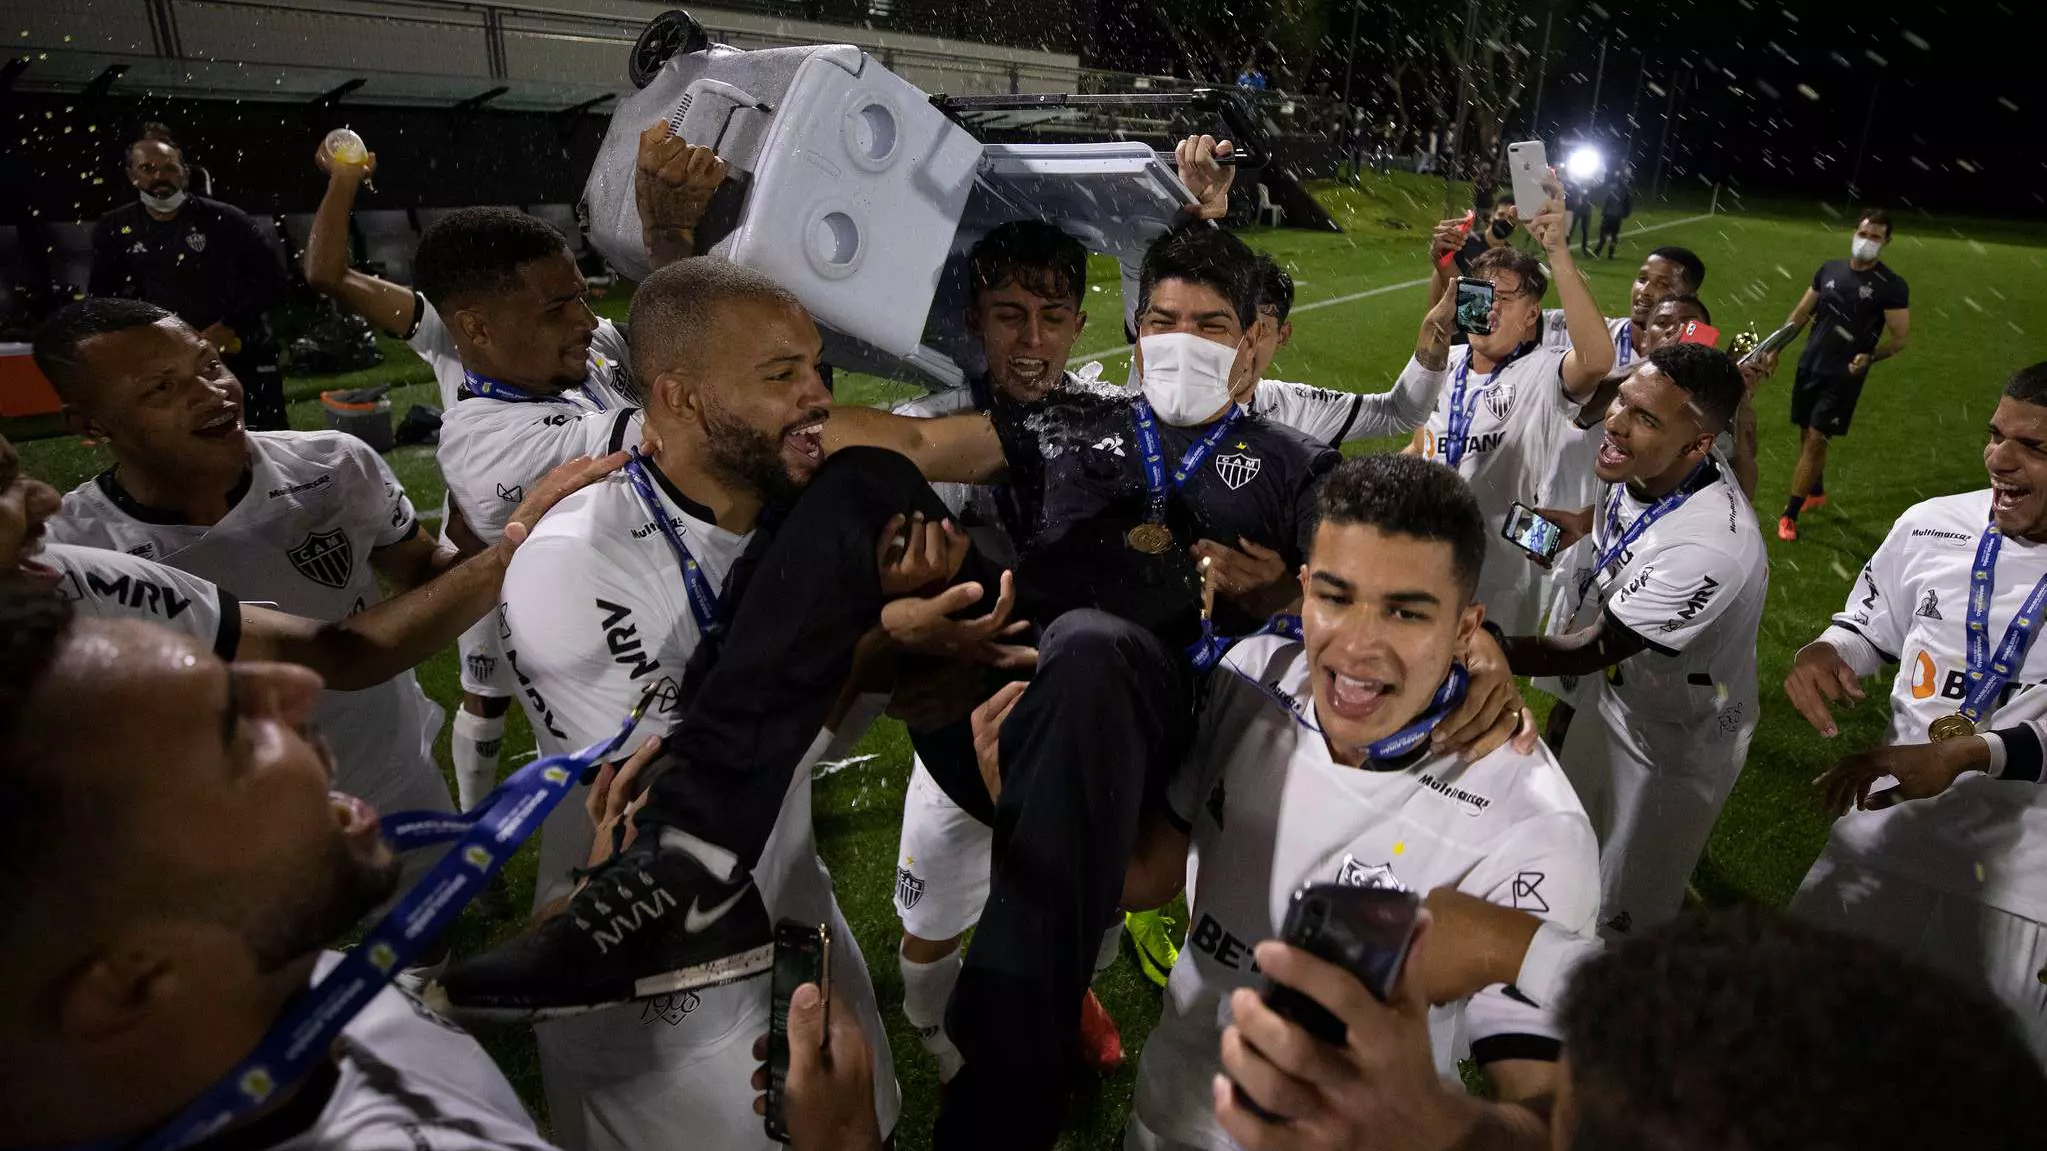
{"points": [[1364, 930], [1533, 534], [1474, 306], [803, 954]]}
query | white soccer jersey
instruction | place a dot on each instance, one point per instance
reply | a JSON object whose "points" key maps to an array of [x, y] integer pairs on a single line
{"points": [[595, 615], [1518, 425], [300, 533], [1983, 838], [407, 1078], [1270, 811], [1331, 417], [115, 585], [432, 342], [1692, 586], [1576, 484], [493, 451]]}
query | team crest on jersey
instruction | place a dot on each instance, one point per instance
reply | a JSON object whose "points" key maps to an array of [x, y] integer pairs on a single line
{"points": [[326, 558], [195, 241], [1499, 399], [482, 667], [1929, 608], [1238, 469], [909, 889], [1355, 874]]}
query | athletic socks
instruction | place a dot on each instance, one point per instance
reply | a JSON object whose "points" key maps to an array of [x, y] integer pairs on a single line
{"points": [[1796, 505], [475, 742], [927, 988]]}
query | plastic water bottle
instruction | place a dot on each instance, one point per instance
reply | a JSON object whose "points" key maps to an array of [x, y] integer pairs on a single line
{"points": [[346, 147]]}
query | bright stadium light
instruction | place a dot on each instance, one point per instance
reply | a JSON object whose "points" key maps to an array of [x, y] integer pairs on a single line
{"points": [[1584, 164]]}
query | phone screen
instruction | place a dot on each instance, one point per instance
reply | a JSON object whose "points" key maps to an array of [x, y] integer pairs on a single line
{"points": [[1474, 306], [1531, 533], [802, 955]]}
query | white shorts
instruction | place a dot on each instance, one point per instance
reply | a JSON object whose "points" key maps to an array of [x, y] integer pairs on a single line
{"points": [[482, 648], [942, 871], [1975, 942], [1653, 793]]}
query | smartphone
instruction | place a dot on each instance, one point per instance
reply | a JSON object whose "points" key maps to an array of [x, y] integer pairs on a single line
{"points": [[1696, 332], [1528, 164], [1364, 930], [1474, 306], [803, 954], [1464, 229], [1539, 537]]}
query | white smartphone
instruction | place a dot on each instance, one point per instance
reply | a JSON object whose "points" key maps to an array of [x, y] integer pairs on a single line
{"points": [[1528, 162]]}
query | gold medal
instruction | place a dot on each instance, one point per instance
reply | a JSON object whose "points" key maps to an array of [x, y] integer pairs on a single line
{"points": [[1151, 539], [1949, 727]]}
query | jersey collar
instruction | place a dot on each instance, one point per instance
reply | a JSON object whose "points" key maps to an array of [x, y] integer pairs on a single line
{"points": [[110, 486], [674, 494]]}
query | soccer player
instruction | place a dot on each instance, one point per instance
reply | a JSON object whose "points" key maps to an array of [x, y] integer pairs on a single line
{"points": [[1325, 414], [307, 521], [1953, 597], [1660, 638], [204, 260], [1715, 1031], [356, 651], [615, 595], [499, 313], [1506, 415], [1311, 764], [1860, 309]]}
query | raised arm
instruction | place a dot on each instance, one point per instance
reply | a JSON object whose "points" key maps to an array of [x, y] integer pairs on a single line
{"points": [[962, 449], [387, 305], [373, 645], [672, 185]]}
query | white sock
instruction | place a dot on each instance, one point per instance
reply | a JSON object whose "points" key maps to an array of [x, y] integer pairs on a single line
{"points": [[474, 742], [1112, 944], [927, 988]]}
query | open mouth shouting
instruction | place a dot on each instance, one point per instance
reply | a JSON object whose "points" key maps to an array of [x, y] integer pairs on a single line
{"points": [[805, 440], [2006, 497], [221, 423], [1355, 698], [1613, 457]]}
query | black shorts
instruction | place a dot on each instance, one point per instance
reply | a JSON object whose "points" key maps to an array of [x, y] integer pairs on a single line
{"points": [[1824, 403]]}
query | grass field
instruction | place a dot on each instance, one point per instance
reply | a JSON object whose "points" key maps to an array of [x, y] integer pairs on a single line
{"points": [[1977, 289]]}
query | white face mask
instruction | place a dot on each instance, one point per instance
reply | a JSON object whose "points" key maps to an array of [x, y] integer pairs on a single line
{"points": [[1866, 249], [1186, 377], [168, 203]]}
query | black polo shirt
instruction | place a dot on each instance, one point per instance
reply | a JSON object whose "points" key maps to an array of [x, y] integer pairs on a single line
{"points": [[209, 264]]}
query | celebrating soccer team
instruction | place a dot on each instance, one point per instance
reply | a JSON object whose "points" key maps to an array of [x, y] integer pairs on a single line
{"points": [[1148, 642]]}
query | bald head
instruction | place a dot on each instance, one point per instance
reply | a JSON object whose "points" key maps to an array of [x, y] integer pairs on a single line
{"points": [[683, 315]]}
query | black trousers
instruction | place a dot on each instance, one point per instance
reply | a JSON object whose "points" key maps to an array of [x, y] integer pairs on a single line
{"points": [[256, 366], [1581, 228], [796, 608], [1085, 754]]}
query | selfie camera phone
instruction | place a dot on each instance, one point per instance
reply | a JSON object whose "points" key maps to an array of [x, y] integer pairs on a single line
{"points": [[803, 954], [1364, 930], [1463, 229], [1528, 531], [1528, 164], [1474, 306], [1697, 332]]}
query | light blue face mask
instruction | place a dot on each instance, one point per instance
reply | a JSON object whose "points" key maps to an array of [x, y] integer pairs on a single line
{"points": [[170, 203]]}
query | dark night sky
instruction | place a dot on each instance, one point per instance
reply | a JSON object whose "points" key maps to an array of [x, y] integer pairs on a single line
{"points": [[1777, 93]]}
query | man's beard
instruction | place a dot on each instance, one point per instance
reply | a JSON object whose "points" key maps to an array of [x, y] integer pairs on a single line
{"points": [[346, 889], [752, 458]]}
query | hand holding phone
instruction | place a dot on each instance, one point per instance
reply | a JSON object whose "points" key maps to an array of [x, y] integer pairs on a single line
{"points": [[1526, 529], [1699, 332], [803, 954], [1528, 165], [1463, 230]]}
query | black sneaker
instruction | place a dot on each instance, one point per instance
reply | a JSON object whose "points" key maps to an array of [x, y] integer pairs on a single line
{"points": [[648, 922]]}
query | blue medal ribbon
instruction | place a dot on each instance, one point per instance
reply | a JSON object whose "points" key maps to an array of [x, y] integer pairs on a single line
{"points": [[1206, 652], [487, 836], [1988, 671], [486, 388], [703, 602], [1461, 412], [1624, 344], [1155, 460], [1656, 511]]}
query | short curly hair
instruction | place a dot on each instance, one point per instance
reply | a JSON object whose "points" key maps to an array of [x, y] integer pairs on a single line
{"points": [[1743, 1030], [1408, 496]]}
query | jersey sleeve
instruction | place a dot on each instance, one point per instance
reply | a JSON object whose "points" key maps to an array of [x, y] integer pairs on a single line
{"points": [[581, 635], [1879, 607], [1676, 594], [490, 469], [1899, 295], [1547, 866], [115, 585], [396, 520], [430, 337]]}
